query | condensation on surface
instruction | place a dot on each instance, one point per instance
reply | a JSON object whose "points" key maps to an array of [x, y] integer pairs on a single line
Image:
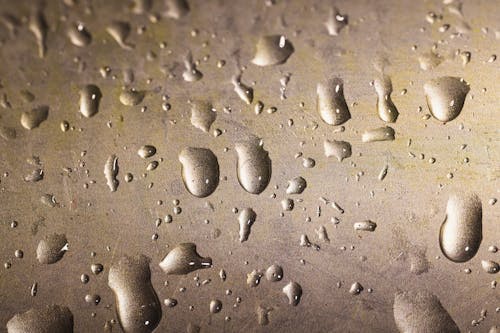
{"points": [[249, 166]]}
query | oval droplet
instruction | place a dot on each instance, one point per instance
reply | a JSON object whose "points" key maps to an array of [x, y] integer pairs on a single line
{"points": [[90, 96], [379, 134], [200, 171], [272, 50], [461, 231], [253, 166], [331, 103]]}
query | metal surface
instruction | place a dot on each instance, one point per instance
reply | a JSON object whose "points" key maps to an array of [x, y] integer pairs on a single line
{"points": [[402, 185]]}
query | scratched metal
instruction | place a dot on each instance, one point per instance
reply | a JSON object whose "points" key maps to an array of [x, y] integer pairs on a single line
{"points": [[427, 161]]}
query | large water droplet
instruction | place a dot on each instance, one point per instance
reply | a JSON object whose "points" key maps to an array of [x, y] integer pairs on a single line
{"points": [[387, 111], [200, 171], [446, 97], [52, 318], [416, 312], [331, 102], [33, 118], [272, 50], [79, 35], [137, 304], [461, 231], [253, 166], [184, 259], [52, 248]]}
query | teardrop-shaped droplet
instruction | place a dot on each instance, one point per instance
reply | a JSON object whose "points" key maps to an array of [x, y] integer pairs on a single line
{"points": [[137, 304], [184, 259], [52, 318], [337, 149], [272, 50], [387, 111], [461, 232], [446, 97], [200, 171], [246, 219], [51, 249], [120, 31], [90, 97], [202, 115], [242, 90], [33, 118], [79, 35], [331, 103], [417, 312], [293, 291], [253, 166]]}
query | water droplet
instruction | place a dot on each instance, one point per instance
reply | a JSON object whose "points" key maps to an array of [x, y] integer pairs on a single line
{"points": [[38, 26], [253, 278], [461, 231], [296, 185], [52, 248], [246, 219], [421, 311], [33, 118], [336, 22], [90, 96], [111, 172], [176, 8], [490, 266], [52, 318], [244, 92], [338, 149], [79, 35], [120, 31], [200, 171], [378, 134], [137, 304], [365, 225], [146, 151], [131, 97], [215, 306], [274, 273], [253, 166], [446, 97], [356, 288], [263, 315], [331, 102], [293, 291], [202, 115], [184, 259], [191, 73], [387, 111], [272, 50]]}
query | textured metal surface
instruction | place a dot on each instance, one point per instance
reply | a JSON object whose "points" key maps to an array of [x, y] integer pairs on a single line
{"points": [[402, 185]]}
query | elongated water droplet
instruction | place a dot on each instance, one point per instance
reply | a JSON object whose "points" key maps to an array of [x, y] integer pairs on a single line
{"points": [[253, 166], [416, 312], [365, 225], [200, 171], [38, 26], [137, 304], [293, 291], [387, 111], [111, 172], [191, 73], [51, 249], [33, 118], [331, 103], [244, 92], [90, 97], [446, 97], [120, 31], [461, 231], [52, 318], [272, 50], [184, 259], [378, 134], [337, 149], [246, 219], [79, 35]]}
